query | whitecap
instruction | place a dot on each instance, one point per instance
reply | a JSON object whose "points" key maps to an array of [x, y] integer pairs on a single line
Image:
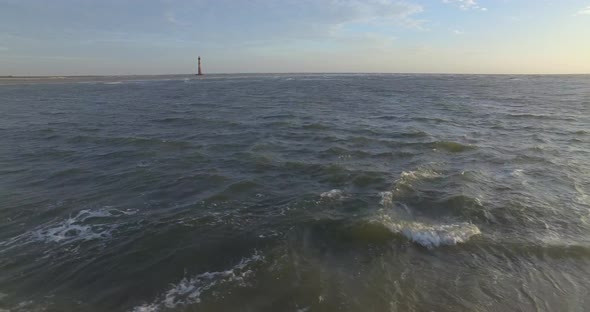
{"points": [[517, 173], [142, 164], [146, 308], [581, 196], [332, 194], [419, 174], [189, 290], [408, 179], [431, 235], [386, 198]]}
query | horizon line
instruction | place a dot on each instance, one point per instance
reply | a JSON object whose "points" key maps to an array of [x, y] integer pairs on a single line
{"points": [[289, 73]]}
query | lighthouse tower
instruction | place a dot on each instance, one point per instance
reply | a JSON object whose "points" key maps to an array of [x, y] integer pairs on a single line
{"points": [[200, 71]]}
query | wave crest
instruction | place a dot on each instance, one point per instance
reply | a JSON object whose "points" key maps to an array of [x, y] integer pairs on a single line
{"points": [[431, 235], [406, 182], [452, 147], [189, 290], [334, 194]]}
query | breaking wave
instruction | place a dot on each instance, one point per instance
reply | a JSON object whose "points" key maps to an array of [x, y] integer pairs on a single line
{"points": [[426, 234], [419, 174], [386, 198], [406, 182], [430, 235], [334, 194], [189, 290]]}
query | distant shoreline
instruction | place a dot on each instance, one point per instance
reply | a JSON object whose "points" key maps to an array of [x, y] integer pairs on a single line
{"points": [[11, 80], [282, 73]]}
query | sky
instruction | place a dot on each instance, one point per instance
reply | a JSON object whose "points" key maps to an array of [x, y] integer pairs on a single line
{"points": [[121, 37]]}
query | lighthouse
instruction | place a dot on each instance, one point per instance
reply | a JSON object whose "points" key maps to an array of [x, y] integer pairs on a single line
{"points": [[200, 71]]}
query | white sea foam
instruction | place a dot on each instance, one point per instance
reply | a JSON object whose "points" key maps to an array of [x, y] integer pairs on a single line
{"points": [[85, 225], [520, 175], [517, 172], [431, 235], [408, 179], [189, 290], [386, 198], [143, 164], [146, 308], [77, 228], [333, 194], [419, 174], [581, 197]]}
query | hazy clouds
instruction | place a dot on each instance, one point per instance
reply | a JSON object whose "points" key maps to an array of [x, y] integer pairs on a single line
{"points": [[165, 36]]}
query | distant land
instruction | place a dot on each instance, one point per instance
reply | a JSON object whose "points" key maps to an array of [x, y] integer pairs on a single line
{"points": [[115, 79], [88, 79]]}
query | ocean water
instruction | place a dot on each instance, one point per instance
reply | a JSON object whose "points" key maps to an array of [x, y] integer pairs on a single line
{"points": [[295, 193]]}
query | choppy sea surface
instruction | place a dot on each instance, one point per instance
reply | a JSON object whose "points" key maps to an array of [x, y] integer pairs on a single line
{"points": [[296, 193]]}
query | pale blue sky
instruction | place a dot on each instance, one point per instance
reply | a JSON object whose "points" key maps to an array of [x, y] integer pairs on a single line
{"points": [[77, 37]]}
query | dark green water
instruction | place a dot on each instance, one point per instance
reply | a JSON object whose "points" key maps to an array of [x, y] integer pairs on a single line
{"points": [[296, 193]]}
